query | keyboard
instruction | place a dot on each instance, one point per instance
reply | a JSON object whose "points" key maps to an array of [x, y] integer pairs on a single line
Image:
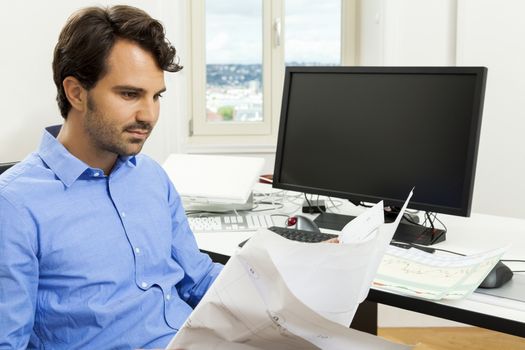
{"points": [[231, 222], [298, 235], [302, 235]]}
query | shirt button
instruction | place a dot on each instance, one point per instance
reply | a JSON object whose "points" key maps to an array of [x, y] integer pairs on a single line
{"points": [[168, 297], [137, 250], [123, 214], [96, 174], [144, 284]]}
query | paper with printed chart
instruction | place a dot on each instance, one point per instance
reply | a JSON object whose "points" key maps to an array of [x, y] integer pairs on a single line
{"points": [[432, 276], [281, 294]]}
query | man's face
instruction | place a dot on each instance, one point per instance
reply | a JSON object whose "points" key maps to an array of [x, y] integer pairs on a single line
{"points": [[123, 106]]}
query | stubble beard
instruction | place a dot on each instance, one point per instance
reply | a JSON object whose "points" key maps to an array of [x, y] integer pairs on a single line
{"points": [[108, 136]]}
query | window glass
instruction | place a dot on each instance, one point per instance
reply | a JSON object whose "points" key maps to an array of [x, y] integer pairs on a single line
{"points": [[313, 32], [234, 42]]}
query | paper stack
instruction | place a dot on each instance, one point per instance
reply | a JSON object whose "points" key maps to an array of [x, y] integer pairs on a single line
{"points": [[281, 294], [432, 276]]}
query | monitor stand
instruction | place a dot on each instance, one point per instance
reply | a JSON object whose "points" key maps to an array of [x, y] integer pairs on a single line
{"points": [[406, 232]]}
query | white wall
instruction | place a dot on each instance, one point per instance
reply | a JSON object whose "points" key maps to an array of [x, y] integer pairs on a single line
{"points": [[407, 32], [492, 34], [419, 32], [28, 33], [465, 32]]}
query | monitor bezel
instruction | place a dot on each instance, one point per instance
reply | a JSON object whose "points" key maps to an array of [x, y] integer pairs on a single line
{"points": [[473, 143]]}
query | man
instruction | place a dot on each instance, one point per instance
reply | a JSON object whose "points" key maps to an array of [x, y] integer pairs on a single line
{"points": [[95, 248]]}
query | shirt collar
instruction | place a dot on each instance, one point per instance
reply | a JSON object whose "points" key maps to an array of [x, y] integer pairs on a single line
{"points": [[67, 167], [130, 160]]}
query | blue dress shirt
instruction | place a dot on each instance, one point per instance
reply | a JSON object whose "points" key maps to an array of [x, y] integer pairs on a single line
{"points": [[89, 261]]}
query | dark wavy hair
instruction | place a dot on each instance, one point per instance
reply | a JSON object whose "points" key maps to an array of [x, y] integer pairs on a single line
{"points": [[88, 37]]}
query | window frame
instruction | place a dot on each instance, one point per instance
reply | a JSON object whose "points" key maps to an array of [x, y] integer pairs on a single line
{"points": [[238, 137]]}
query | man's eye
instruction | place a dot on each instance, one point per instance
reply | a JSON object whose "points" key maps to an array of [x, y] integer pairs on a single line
{"points": [[157, 96], [128, 94]]}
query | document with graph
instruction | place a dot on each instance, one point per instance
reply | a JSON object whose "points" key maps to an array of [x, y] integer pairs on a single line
{"points": [[433, 276], [281, 294]]}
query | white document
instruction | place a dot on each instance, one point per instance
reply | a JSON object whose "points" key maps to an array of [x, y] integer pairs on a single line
{"points": [[384, 232], [432, 276], [364, 225], [282, 294]]}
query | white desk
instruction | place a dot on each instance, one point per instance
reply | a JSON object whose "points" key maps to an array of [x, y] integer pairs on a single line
{"points": [[465, 235]]}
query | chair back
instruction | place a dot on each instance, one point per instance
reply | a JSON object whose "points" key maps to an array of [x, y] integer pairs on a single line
{"points": [[5, 166]]}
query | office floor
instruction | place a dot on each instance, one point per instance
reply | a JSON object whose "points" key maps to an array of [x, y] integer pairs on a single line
{"points": [[453, 338]]}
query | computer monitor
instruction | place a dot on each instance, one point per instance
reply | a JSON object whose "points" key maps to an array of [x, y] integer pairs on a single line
{"points": [[373, 133]]}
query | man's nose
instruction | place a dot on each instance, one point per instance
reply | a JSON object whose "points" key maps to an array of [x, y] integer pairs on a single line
{"points": [[148, 112]]}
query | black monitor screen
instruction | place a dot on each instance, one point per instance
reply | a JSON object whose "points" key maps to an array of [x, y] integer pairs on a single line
{"points": [[374, 133]]}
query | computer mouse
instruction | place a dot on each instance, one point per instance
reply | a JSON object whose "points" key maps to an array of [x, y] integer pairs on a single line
{"points": [[498, 276], [302, 223]]}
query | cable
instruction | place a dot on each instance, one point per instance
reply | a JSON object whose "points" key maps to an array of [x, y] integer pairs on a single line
{"points": [[268, 209], [406, 245], [318, 207], [293, 200], [441, 223], [424, 247], [430, 220], [279, 200], [307, 201], [333, 204], [448, 251], [283, 215]]}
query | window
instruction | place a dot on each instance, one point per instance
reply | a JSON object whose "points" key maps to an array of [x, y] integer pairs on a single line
{"points": [[239, 50], [234, 57], [313, 33]]}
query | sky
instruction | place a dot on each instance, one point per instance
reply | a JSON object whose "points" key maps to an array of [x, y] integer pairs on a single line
{"points": [[234, 31]]}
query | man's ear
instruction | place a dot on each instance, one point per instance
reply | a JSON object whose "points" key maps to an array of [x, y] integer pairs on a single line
{"points": [[75, 93]]}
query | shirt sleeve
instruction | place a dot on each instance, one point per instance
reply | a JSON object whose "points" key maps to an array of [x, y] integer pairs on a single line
{"points": [[18, 276], [199, 270]]}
